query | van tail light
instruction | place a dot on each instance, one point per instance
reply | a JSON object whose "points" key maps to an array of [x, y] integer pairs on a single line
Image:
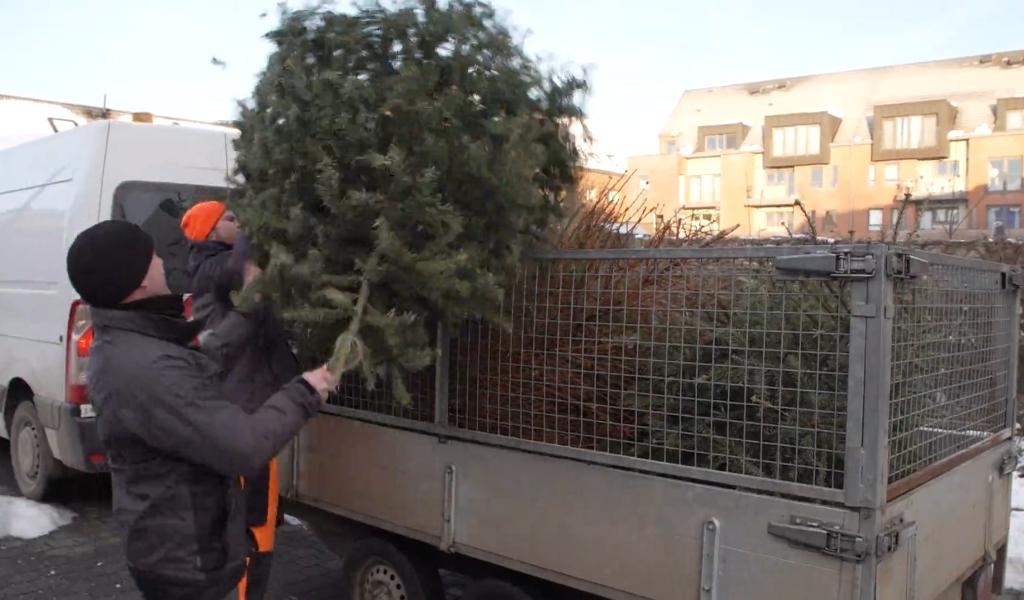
{"points": [[80, 338], [187, 301]]}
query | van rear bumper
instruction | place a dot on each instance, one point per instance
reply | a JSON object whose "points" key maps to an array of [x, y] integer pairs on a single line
{"points": [[78, 441]]}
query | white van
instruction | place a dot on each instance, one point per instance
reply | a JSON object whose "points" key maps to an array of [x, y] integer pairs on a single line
{"points": [[50, 190]]}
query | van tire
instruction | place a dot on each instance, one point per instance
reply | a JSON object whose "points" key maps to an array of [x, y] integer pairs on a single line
{"points": [[35, 469], [494, 589], [376, 568]]}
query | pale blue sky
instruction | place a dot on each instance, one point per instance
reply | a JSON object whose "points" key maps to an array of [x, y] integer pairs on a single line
{"points": [[155, 56]]}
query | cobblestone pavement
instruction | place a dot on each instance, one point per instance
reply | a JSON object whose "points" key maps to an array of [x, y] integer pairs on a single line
{"points": [[85, 560]]}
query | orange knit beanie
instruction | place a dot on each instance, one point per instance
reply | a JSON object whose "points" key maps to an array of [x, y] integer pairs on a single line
{"points": [[200, 220]]}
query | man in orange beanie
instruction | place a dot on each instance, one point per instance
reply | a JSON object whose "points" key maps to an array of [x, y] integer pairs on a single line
{"points": [[218, 265], [210, 220]]}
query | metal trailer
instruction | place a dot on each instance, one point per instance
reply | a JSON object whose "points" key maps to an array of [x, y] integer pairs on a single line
{"points": [[720, 423]]}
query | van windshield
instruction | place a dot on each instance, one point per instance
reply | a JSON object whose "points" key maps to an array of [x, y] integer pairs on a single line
{"points": [[157, 208]]}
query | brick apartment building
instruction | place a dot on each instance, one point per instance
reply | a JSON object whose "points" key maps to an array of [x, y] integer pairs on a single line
{"points": [[851, 147]]}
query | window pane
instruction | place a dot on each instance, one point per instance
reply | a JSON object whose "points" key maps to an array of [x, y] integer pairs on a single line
{"points": [[926, 220], [670, 147], [929, 131], [790, 141], [1013, 174], [778, 142], [1015, 119], [814, 139], [889, 134], [707, 188], [875, 219], [916, 138], [900, 223], [801, 140], [871, 174], [941, 168], [996, 175], [694, 189], [817, 177], [892, 173], [157, 208], [835, 175], [831, 220]]}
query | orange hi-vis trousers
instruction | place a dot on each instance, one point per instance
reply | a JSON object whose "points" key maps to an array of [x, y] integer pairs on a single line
{"points": [[263, 537]]}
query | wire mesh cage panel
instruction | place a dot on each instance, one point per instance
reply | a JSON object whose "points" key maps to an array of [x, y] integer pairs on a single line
{"points": [[950, 378], [354, 393], [711, 363]]}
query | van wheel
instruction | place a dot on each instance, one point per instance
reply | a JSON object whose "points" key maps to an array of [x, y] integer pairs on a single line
{"points": [[494, 589], [33, 463], [374, 569]]}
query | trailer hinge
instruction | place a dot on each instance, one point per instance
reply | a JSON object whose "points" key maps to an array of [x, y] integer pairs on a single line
{"points": [[827, 538], [902, 265], [826, 265]]}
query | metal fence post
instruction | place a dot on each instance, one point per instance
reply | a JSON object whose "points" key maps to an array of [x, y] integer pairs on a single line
{"points": [[871, 361], [1013, 347], [441, 368]]}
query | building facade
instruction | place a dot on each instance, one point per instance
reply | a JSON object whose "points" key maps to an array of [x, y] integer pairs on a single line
{"points": [[934, 147]]}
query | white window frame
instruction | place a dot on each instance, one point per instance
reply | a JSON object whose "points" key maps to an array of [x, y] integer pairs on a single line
{"points": [[892, 173], [1015, 119], [999, 177], [818, 177], [990, 225], [699, 187], [876, 219], [910, 132], [796, 140], [720, 142], [785, 221], [872, 174]]}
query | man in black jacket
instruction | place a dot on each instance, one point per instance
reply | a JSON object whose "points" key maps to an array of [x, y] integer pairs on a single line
{"points": [[253, 370], [176, 447]]}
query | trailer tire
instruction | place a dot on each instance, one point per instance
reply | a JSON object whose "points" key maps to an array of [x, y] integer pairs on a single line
{"points": [[375, 568], [494, 589]]}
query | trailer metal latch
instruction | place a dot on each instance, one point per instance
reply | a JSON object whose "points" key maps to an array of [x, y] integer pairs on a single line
{"points": [[902, 265], [825, 265], [1009, 463], [892, 536], [827, 538]]}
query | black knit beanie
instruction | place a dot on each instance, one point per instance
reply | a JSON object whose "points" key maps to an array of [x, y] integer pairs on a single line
{"points": [[108, 261]]}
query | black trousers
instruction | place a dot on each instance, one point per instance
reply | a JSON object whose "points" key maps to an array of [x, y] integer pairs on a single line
{"points": [[153, 589]]}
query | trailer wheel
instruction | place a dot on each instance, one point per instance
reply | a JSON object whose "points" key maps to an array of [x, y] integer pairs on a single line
{"points": [[374, 569], [494, 589]]}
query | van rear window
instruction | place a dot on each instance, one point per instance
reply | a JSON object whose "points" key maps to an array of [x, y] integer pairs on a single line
{"points": [[157, 208]]}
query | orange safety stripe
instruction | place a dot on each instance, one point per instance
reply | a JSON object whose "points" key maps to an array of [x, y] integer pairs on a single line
{"points": [[265, 533], [244, 583]]}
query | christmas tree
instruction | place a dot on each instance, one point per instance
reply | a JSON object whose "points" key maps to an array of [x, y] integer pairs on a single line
{"points": [[394, 163]]}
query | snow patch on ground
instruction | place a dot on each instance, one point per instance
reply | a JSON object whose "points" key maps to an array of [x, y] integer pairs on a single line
{"points": [[294, 521], [25, 519]]}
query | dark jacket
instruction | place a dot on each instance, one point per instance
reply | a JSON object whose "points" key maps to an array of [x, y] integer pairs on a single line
{"points": [[260, 365], [254, 367], [176, 447]]}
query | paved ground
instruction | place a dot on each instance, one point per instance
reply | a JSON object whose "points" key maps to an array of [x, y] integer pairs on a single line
{"points": [[84, 560]]}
